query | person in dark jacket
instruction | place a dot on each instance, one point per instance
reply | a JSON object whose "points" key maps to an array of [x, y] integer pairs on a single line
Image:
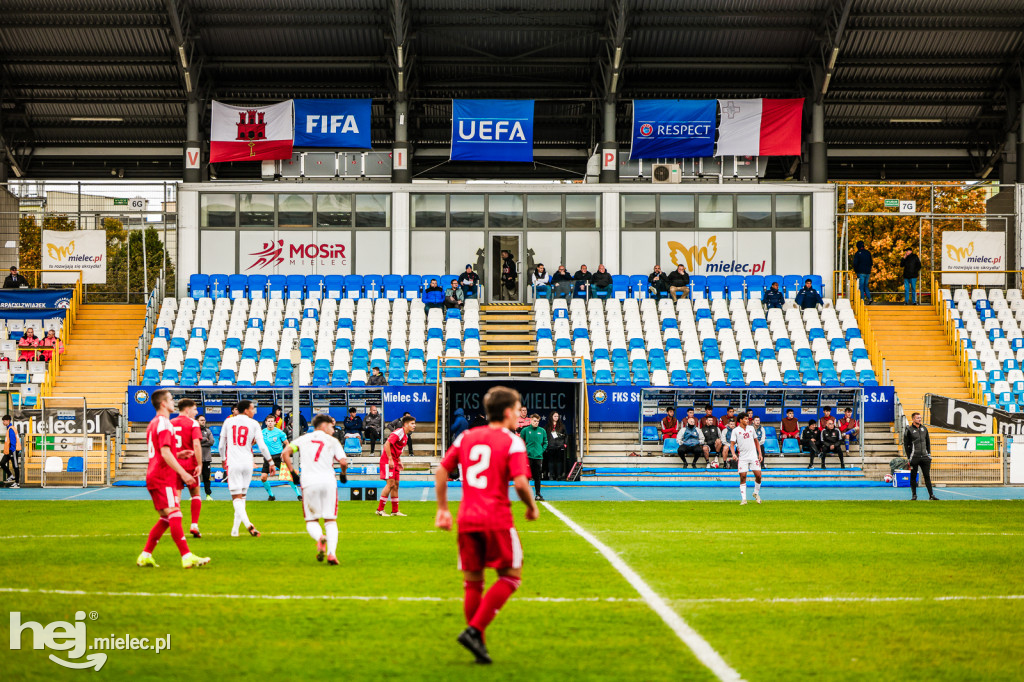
{"points": [[917, 445], [831, 443], [691, 442], [712, 436], [862, 268], [376, 378], [558, 446], [14, 280], [657, 283], [810, 441], [206, 441], [459, 424], [772, 297], [561, 284], [371, 427], [509, 278], [911, 265], [454, 296], [601, 282], [353, 424], [808, 297], [469, 281], [581, 282], [679, 283], [433, 296]]}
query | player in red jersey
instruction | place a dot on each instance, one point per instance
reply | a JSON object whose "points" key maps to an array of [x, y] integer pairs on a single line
{"points": [[189, 447], [391, 464], [162, 481], [489, 456]]}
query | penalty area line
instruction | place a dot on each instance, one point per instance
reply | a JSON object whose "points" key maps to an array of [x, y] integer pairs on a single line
{"points": [[700, 647]]}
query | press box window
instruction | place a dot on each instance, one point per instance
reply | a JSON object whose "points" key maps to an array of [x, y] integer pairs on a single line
{"points": [[544, 210], [295, 210], [639, 211], [373, 210], [467, 210], [582, 210], [754, 210], [792, 210], [505, 210], [334, 210], [429, 210], [256, 210], [217, 210], [677, 212], [716, 211]]}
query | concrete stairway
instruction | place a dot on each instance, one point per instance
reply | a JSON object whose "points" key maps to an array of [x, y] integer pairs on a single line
{"points": [[507, 343], [100, 355]]}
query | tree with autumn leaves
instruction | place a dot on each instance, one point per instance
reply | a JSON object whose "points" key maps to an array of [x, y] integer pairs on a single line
{"points": [[887, 233]]}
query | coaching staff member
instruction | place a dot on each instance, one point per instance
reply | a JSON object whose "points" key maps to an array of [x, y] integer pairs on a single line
{"points": [[918, 447]]}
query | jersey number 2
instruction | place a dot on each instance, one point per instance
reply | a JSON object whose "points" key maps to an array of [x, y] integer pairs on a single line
{"points": [[240, 435], [480, 458]]}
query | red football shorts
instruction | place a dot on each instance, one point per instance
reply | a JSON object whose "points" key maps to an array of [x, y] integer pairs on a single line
{"points": [[164, 496], [489, 549], [389, 472], [189, 465]]}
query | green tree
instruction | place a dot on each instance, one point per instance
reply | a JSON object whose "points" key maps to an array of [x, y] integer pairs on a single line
{"points": [[30, 236]]}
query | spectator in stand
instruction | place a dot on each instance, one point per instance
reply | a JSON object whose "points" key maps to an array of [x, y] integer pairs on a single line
{"points": [[689, 415], [712, 435], [849, 427], [917, 444], [601, 282], [730, 460], [862, 263], [561, 284], [206, 441], [469, 281], [459, 424], [832, 443], [28, 340], [509, 278], [376, 378], [679, 283], [278, 413], [51, 341], [13, 448], [536, 440], [810, 441], [371, 427], [558, 446], [353, 425], [669, 425], [433, 296], [759, 430], [454, 296], [709, 413], [911, 265], [772, 297], [581, 281], [540, 280], [808, 297], [790, 427], [14, 280], [691, 442], [524, 419], [825, 418], [729, 416], [657, 283]]}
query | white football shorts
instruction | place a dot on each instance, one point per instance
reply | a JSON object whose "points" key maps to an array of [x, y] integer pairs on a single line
{"points": [[239, 478], [320, 502]]}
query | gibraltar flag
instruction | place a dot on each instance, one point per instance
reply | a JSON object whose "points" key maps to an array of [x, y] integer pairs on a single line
{"points": [[251, 133], [759, 127]]}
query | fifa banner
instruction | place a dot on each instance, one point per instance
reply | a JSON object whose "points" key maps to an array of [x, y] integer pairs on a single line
{"points": [[492, 130], [57, 422], [676, 129], [84, 250], [973, 252], [251, 133], [966, 417], [34, 304], [339, 123]]}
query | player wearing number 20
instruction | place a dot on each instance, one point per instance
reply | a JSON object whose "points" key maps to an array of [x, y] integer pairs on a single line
{"points": [[489, 456], [319, 450], [236, 438]]}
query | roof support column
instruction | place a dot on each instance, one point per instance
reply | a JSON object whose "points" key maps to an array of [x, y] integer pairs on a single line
{"points": [[193, 150], [400, 171], [818, 153], [609, 146], [1020, 147]]}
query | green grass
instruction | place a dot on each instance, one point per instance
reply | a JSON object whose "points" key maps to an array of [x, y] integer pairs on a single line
{"points": [[699, 556]]}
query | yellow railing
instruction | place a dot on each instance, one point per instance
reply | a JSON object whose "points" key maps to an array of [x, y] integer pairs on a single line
{"points": [[846, 283]]}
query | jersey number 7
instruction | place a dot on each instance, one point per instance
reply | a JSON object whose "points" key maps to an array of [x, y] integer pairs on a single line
{"points": [[319, 449]]}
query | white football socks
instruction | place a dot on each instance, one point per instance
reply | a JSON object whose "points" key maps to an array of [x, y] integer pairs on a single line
{"points": [[743, 491], [240, 514], [332, 536], [757, 487], [313, 528]]}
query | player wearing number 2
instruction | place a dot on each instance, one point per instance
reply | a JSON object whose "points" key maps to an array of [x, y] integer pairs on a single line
{"points": [[236, 438], [489, 456]]}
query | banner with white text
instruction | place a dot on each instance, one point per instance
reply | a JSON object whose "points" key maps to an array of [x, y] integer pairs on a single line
{"points": [[492, 130]]}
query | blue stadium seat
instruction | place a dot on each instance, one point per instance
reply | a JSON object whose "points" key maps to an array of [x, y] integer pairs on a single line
{"points": [[219, 286], [334, 286], [353, 286], [451, 368], [411, 286], [315, 286], [425, 281], [771, 445], [339, 377], [276, 285], [755, 286], [716, 286], [76, 465], [650, 434], [638, 286], [237, 286], [197, 285], [698, 286], [373, 286], [414, 376], [296, 285], [790, 446], [791, 284], [150, 377], [817, 282], [602, 376], [392, 287], [770, 279], [620, 287], [678, 378], [257, 286], [734, 284], [670, 447]]}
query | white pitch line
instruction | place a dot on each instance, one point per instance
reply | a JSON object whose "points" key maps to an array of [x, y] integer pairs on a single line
{"points": [[690, 637], [844, 600], [71, 497], [954, 492], [423, 497], [625, 494]]}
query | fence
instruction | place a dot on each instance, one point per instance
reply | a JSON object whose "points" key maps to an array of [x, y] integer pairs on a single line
{"points": [[970, 460]]}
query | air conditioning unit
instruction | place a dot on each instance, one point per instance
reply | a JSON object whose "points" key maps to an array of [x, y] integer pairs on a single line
{"points": [[666, 173]]}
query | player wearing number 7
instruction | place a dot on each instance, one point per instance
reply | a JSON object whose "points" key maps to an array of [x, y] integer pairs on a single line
{"points": [[319, 450], [489, 456], [236, 438]]}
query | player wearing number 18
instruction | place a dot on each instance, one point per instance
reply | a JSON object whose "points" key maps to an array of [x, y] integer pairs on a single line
{"points": [[236, 438], [489, 456]]}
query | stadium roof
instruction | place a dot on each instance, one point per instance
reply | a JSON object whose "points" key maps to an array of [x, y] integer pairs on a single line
{"points": [[917, 88]]}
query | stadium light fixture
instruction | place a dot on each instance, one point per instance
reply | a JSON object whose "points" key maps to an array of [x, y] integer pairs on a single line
{"points": [[184, 57], [915, 120], [97, 119], [188, 81]]}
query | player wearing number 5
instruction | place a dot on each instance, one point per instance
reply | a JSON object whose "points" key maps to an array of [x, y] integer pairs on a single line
{"points": [[489, 456], [391, 464], [236, 439], [319, 450]]}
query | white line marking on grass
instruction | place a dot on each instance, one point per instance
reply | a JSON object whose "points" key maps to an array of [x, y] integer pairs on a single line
{"points": [[953, 492], [90, 490], [423, 497], [690, 637], [625, 494], [843, 600]]}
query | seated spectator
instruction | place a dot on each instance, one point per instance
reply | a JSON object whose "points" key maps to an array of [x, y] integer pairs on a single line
{"points": [[657, 283], [729, 416], [689, 414], [810, 441], [772, 297], [540, 280], [691, 442], [51, 341], [376, 378], [601, 282], [581, 281], [709, 413], [808, 297], [14, 280], [371, 427], [561, 284], [433, 296], [762, 435], [712, 436], [669, 425], [469, 281], [352, 427], [679, 283], [730, 459], [790, 427], [28, 340], [832, 443], [849, 427], [826, 418], [454, 296]]}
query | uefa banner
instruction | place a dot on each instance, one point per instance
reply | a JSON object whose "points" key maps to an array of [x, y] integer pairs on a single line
{"points": [[84, 250], [338, 123], [492, 130], [971, 253]]}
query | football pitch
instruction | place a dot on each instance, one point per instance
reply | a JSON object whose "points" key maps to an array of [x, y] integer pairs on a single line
{"points": [[780, 591]]}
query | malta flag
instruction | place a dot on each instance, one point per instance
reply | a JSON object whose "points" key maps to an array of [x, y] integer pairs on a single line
{"points": [[759, 127], [251, 133]]}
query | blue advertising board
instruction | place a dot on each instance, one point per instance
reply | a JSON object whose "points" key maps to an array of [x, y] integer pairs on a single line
{"points": [[343, 123], [34, 304], [492, 130], [673, 128]]}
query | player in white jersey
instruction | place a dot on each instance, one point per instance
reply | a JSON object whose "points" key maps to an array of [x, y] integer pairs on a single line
{"points": [[319, 450], [748, 449], [236, 438]]}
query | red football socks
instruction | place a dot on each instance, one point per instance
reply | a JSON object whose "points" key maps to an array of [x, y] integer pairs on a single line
{"points": [[474, 593], [177, 534], [394, 505], [197, 506], [155, 533], [493, 601], [380, 505]]}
